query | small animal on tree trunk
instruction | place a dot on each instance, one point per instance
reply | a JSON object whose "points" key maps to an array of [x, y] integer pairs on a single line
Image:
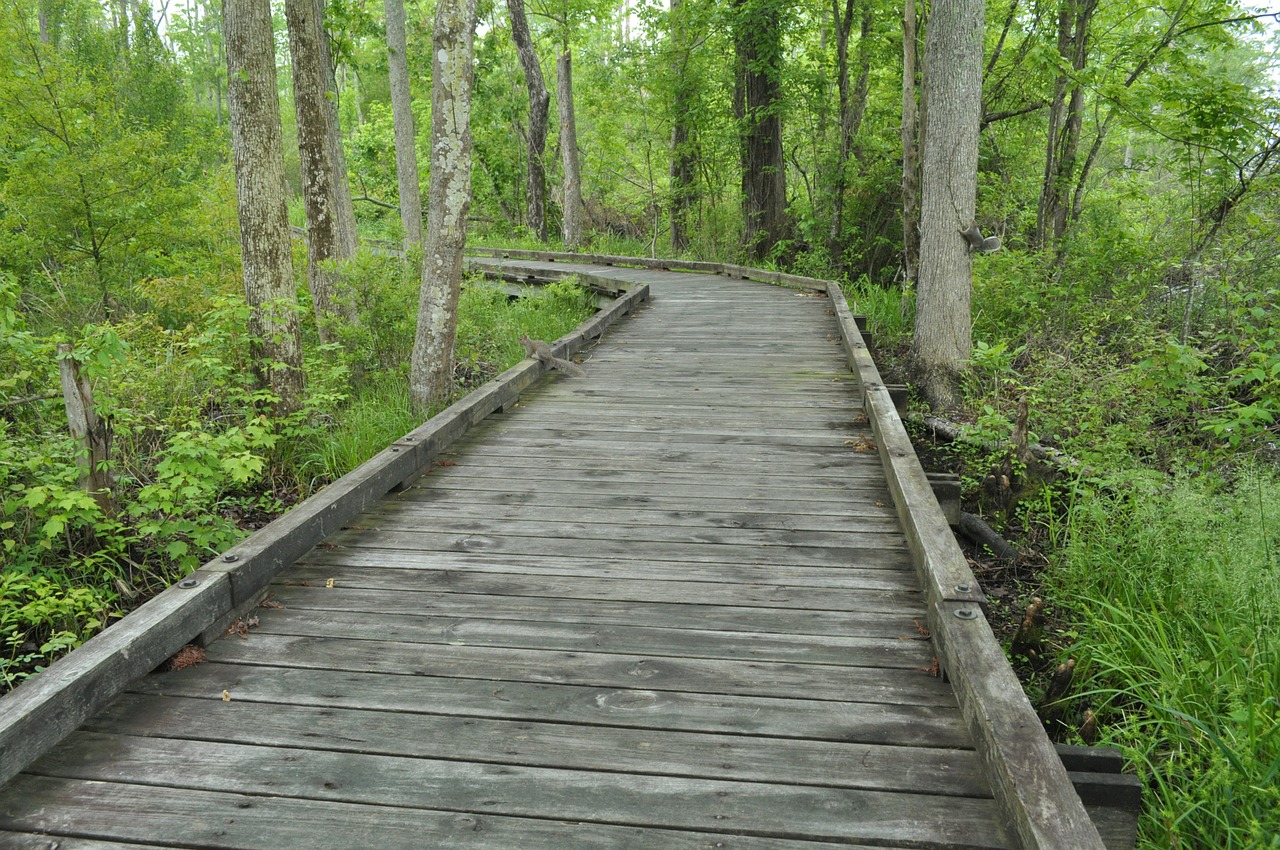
{"points": [[539, 349], [977, 242]]}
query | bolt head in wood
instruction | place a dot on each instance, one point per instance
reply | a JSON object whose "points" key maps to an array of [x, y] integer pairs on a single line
{"points": [[966, 614], [188, 583]]}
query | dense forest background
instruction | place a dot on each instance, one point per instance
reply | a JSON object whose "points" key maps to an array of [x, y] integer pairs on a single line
{"points": [[1128, 161]]}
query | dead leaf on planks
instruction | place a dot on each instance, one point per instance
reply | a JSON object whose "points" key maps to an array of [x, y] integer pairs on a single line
{"points": [[241, 627], [861, 444]]}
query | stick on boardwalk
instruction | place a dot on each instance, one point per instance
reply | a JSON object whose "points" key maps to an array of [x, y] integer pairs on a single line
{"points": [[665, 605]]}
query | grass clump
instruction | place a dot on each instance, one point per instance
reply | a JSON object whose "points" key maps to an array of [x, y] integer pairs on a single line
{"points": [[1178, 596]]}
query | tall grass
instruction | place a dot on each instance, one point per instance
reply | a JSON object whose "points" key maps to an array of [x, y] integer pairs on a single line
{"points": [[1179, 600]]}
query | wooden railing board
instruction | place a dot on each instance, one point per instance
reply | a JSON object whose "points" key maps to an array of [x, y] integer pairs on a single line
{"points": [[41, 712]]}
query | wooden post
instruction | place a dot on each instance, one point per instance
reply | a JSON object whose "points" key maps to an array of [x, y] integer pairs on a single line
{"points": [[92, 433]]}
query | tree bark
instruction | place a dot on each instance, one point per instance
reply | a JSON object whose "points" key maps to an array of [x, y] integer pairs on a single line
{"points": [[852, 102], [348, 239], [253, 98], [318, 191], [1066, 118], [449, 199], [91, 433], [910, 153], [402, 114], [953, 94], [539, 109], [684, 161], [758, 49], [572, 214]]}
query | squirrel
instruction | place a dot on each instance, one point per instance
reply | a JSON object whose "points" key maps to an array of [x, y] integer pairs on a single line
{"points": [[973, 236], [540, 350]]}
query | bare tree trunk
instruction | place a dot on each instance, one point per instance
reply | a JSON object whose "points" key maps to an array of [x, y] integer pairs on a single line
{"points": [[683, 151], [1066, 118], [539, 109], [853, 104], [311, 108], [953, 93], [573, 213], [91, 433], [253, 98], [910, 153], [402, 114], [757, 44], [347, 240], [449, 199]]}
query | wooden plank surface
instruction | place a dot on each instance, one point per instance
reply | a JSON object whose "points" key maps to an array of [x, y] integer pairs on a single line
{"points": [[667, 604]]}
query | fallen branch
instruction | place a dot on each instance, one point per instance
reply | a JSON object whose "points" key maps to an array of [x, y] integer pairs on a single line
{"points": [[18, 402], [979, 532]]}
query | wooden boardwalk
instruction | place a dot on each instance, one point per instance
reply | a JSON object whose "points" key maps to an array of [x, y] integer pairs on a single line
{"points": [[665, 605]]}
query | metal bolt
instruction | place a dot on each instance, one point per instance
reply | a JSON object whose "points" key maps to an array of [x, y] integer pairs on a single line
{"points": [[967, 614], [188, 583], [963, 588], [394, 449], [231, 557]]}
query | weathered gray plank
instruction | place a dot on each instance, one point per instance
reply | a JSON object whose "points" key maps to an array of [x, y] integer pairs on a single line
{"points": [[583, 511], [926, 770], [427, 541], [440, 499], [744, 678], [393, 525], [637, 708], [774, 606], [385, 615], [234, 821], [753, 808]]}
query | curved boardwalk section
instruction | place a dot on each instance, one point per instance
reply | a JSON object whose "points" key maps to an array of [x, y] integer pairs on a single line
{"points": [[664, 605]]}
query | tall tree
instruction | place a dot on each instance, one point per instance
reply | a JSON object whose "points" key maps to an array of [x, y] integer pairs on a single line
{"points": [[346, 215], [449, 199], [1066, 119], [910, 129], [758, 32], [573, 211], [852, 101], [539, 109], [318, 191], [684, 159], [402, 115], [256, 139], [953, 98]]}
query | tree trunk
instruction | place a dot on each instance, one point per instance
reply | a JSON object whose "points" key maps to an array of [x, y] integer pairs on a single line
{"points": [[449, 199], [853, 104], [253, 98], [953, 94], [91, 433], [347, 239], [318, 194], [1066, 117], [539, 109], [758, 49], [402, 114], [684, 161], [910, 153], [573, 213]]}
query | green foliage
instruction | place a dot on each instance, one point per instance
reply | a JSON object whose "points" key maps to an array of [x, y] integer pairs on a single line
{"points": [[1178, 589]]}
